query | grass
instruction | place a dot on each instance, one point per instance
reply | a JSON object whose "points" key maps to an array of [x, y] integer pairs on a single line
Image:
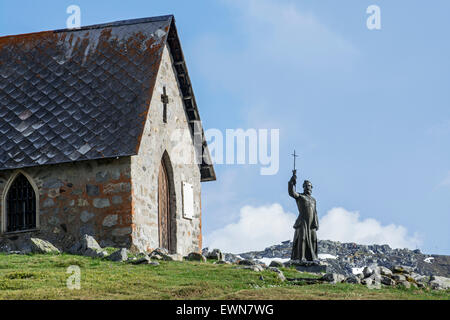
{"points": [[45, 277]]}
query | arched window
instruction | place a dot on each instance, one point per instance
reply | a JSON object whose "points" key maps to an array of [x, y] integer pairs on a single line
{"points": [[20, 205]]}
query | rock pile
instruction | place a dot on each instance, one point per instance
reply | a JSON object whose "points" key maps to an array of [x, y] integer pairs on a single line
{"points": [[402, 276], [351, 258]]}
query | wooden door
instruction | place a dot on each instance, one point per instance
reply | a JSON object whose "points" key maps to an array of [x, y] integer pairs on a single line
{"points": [[163, 207]]}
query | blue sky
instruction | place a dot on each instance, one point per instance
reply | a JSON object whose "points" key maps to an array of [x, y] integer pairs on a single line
{"points": [[368, 111]]}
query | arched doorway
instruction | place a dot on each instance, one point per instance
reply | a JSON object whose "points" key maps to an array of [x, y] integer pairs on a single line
{"points": [[20, 205], [166, 205]]}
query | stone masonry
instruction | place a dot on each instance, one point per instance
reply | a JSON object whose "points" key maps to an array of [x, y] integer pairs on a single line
{"points": [[116, 200], [163, 139]]}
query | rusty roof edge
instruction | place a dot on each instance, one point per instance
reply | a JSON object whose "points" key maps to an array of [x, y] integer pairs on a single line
{"points": [[209, 167], [119, 23], [152, 89]]}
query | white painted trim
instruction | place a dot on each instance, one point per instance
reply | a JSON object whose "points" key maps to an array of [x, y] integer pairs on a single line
{"points": [[5, 193]]}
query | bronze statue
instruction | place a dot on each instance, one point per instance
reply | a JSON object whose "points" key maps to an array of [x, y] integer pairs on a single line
{"points": [[307, 223]]}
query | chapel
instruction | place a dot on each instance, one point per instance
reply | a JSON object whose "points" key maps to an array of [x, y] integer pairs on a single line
{"points": [[100, 134]]}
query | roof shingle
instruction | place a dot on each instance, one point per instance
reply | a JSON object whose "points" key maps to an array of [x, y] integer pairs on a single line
{"points": [[71, 95]]}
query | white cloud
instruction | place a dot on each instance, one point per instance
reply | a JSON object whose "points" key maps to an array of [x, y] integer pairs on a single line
{"points": [[345, 226], [257, 228], [261, 227]]}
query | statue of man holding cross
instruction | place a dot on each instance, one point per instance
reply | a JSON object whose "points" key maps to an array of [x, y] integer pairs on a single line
{"points": [[307, 223]]}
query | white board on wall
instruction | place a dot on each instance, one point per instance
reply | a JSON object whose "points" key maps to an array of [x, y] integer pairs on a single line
{"points": [[188, 200]]}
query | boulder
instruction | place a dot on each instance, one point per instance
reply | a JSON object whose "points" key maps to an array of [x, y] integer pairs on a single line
{"points": [[222, 262], [385, 271], [247, 263], [276, 264], [367, 272], [119, 255], [387, 281], [195, 256], [88, 246], [353, 279], [333, 278], [439, 283], [43, 246], [216, 254], [160, 251], [145, 260], [402, 269], [279, 273], [398, 277], [256, 268], [367, 281], [162, 254]]}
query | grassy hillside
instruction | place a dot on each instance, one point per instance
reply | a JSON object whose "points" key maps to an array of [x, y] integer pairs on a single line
{"points": [[45, 276]]}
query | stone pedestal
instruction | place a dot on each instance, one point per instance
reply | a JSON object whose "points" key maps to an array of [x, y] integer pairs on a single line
{"points": [[308, 266]]}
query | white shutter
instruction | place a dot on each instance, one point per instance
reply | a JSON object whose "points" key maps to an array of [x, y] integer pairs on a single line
{"points": [[188, 200]]}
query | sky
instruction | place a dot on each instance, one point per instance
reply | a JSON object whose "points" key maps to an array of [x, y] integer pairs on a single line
{"points": [[367, 110]]}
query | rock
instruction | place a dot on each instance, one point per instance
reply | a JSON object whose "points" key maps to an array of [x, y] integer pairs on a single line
{"points": [[439, 283], [222, 262], [367, 281], [351, 256], [75, 248], [385, 271], [333, 278], [256, 268], [276, 264], [246, 263], [89, 247], [110, 220], [398, 277], [367, 272], [279, 273], [42, 246], [216, 254], [86, 216], [145, 260], [402, 269], [353, 279], [195, 256], [308, 266], [387, 281], [163, 254], [119, 255], [421, 279]]}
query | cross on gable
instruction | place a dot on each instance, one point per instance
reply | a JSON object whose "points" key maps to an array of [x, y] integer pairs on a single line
{"points": [[165, 101]]}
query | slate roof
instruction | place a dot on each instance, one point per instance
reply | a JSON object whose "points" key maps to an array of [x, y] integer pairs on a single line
{"points": [[83, 94]]}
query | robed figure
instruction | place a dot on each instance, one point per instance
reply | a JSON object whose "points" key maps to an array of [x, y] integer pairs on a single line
{"points": [[307, 223]]}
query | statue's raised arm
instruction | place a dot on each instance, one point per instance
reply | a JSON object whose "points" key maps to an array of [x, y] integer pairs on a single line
{"points": [[291, 186]]}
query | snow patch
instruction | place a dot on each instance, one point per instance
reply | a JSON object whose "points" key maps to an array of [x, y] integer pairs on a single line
{"points": [[267, 261], [356, 271], [326, 256], [428, 260]]}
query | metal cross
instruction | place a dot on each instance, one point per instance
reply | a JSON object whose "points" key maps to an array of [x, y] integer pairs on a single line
{"points": [[165, 101], [295, 156]]}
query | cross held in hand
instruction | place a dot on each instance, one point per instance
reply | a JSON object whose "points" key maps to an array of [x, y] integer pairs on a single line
{"points": [[295, 156]]}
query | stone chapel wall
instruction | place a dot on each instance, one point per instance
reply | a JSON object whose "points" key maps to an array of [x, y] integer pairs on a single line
{"points": [[158, 138], [87, 197]]}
